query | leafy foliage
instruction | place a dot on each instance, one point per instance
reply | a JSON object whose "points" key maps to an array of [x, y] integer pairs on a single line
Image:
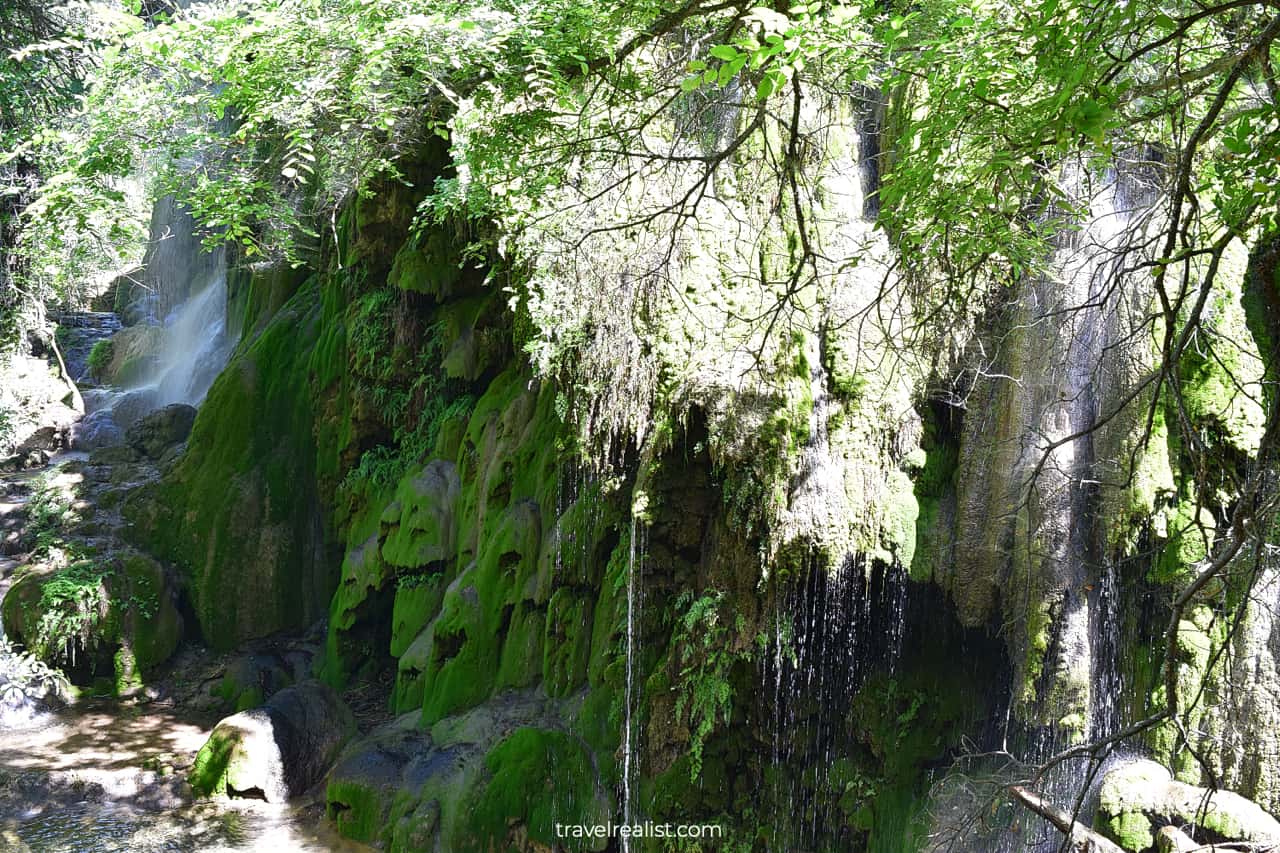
{"points": [[27, 676], [406, 385], [703, 656], [73, 604]]}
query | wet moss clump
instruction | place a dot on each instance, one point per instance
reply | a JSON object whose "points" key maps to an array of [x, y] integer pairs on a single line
{"points": [[539, 779]]}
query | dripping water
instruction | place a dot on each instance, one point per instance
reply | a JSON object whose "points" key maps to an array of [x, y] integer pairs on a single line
{"points": [[831, 631], [630, 762]]}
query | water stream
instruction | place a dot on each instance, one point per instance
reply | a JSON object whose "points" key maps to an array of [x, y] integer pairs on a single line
{"points": [[1083, 653], [632, 698]]}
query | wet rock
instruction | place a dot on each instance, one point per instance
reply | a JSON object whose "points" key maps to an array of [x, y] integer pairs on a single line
{"points": [[128, 407], [391, 763], [276, 751], [25, 460], [160, 430], [50, 438], [120, 454], [252, 678], [97, 430]]}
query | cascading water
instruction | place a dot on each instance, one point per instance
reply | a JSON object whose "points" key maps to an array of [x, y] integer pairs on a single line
{"points": [[184, 349], [831, 632], [1081, 688], [196, 344]]}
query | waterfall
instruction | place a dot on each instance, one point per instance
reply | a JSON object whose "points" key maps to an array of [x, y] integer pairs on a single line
{"points": [[196, 344], [1070, 331], [832, 631], [180, 334]]}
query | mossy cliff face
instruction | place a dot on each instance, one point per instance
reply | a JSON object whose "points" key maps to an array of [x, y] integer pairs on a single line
{"points": [[1237, 716], [652, 586], [240, 514]]}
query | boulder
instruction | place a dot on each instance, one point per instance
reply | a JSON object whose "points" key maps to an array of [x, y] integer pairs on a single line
{"points": [[97, 430], [25, 460], [389, 765], [1140, 798], [276, 751], [123, 610], [252, 678], [160, 430], [129, 407], [48, 438]]}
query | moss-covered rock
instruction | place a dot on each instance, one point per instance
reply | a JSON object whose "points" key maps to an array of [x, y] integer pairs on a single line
{"points": [[117, 616], [276, 751], [540, 780], [1139, 797]]}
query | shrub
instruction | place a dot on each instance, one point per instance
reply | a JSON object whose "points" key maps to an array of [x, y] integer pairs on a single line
{"points": [[100, 358]]}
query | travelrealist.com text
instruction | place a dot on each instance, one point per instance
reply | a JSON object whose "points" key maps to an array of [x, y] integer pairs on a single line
{"points": [[639, 830]]}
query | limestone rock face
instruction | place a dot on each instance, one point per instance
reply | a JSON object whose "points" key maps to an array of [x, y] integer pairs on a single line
{"points": [[160, 430], [278, 750], [1139, 798], [496, 777]]}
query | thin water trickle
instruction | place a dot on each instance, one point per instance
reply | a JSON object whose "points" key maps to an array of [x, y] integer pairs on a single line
{"points": [[629, 763]]}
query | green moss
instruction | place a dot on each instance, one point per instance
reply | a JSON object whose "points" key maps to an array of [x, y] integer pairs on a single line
{"points": [[128, 676], [150, 620], [1186, 543], [358, 602], [358, 811], [1131, 830], [539, 779], [508, 469], [208, 776], [464, 645], [256, 292], [431, 264], [250, 698], [901, 519], [420, 519], [567, 644], [99, 358], [416, 603], [520, 664], [132, 371], [238, 513], [933, 481], [1212, 379]]}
